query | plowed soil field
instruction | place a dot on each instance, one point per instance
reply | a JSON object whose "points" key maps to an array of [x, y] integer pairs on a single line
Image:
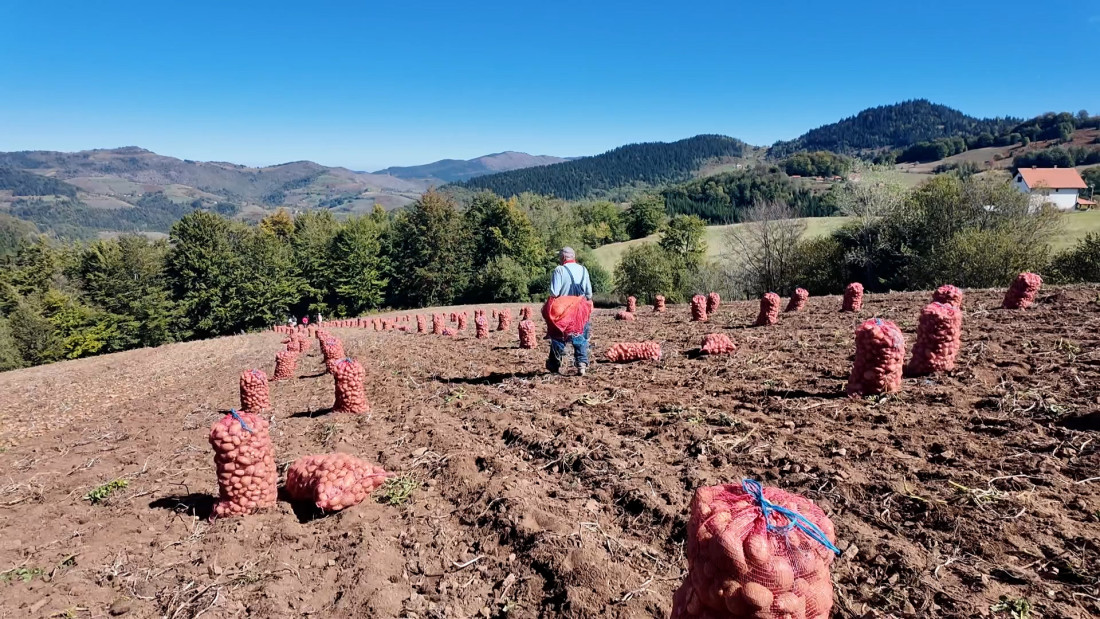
{"points": [[537, 495]]}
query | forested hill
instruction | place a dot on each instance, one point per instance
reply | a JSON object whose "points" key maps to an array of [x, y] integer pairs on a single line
{"points": [[892, 126], [648, 163]]}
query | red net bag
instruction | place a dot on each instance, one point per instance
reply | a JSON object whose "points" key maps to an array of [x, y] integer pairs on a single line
{"points": [[304, 344], [294, 344], [286, 363], [351, 396], [462, 321], [420, 324], [798, 300], [454, 317], [880, 354], [756, 553], [631, 304], [939, 337], [659, 303], [255, 396], [437, 324], [769, 310], [332, 348], [494, 314], [624, 316], [481, 327], [505, 320], [1021, 294], [245, 460], [853, 297], [566, 316], [525, 313], [332, 482], [717, 344], [527, 338], [713, 301], [634, 351], [699, 308], [949, 295]]}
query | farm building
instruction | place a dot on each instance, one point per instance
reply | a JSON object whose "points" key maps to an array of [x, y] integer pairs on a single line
{"points": [[1059, 187]]}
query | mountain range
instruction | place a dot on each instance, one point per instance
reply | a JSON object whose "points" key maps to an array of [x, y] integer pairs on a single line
{"points": [[91, 192]]}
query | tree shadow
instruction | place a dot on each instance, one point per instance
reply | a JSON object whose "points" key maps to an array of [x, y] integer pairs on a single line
{"points": [[1084, 423], [494, 378], [197, 504], [321, 412]]}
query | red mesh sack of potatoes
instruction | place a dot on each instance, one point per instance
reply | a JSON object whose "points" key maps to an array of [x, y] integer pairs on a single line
{"points": [[798, 300], [880, 354], [505, 319], [853, 297], [1021, 294], [939, 337], [631, 304], [717, 344], [525, 313], [481, 326], [304, 344], [295, 344], [624, 315], [769, 310], [462, 321], [255, 396], [659, 303], [448, 332], [351, 396], [245, 461], [949, 295], [420, 324], [634, 351], [286, 363], [333, 482], [713, 301], [494, 314], [454, 316], [332, 348], [527, 337], [437, 324], [699, 308], [756, 553]]}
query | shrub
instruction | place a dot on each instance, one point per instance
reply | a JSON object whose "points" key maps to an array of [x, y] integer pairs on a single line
{"points": [[646, 270], [1079, 264], [820, 265]]}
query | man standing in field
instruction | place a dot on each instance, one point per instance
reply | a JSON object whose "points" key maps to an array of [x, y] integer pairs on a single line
{"points": [[567, 312]]}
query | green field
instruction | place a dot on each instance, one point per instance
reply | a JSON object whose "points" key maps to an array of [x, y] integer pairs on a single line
{"points": [[608, 256], [1075, 226]]}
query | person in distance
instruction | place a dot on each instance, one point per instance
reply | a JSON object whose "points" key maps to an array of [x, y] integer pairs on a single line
{"points": [[567, 312]]}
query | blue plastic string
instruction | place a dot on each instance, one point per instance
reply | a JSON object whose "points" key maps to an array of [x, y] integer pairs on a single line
{"points": [[796, 520], [241, 421]]}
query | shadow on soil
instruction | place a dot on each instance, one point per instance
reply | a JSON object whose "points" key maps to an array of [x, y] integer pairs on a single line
{"points": [[305, 512], [196, 504], [1088, 422], [321, 412], [492, 379], [798, 394]]}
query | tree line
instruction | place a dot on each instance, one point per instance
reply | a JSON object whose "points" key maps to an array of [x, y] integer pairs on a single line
{"points": [[724, 198], [963, 230], [631, 165], [215, 276], [1050, 126]]}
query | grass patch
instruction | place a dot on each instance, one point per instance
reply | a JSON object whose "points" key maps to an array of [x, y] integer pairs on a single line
{"points": [[1017, 608], [100, 494], [25, 574], [396, 491]]}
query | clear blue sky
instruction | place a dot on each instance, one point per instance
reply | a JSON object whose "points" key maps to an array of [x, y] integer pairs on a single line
{"points": [[368, 84]]}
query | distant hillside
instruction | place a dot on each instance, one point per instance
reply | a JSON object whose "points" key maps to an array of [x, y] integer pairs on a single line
{"points": [[452, 170], [634, 164], [133, 189], [892, 126]]}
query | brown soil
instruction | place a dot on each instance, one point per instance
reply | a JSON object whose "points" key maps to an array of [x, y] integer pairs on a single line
{"points": [[560, 496]]}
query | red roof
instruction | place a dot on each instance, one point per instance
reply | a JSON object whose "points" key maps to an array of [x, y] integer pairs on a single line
{"points": [[1052, 178], [1084, 202]]}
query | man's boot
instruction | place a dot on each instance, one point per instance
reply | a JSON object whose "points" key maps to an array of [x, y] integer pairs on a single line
{"points": [[554, 363], [582, 369]]}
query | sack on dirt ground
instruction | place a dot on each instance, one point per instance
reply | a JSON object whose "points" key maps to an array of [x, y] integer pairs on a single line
{"points": [[333, 482], [245, 461]]}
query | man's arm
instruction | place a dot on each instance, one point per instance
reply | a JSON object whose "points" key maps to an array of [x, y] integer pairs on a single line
{"points": [[587, 284], [556, 283]]}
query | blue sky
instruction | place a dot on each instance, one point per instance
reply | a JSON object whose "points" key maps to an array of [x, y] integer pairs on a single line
{"points": [[369, 84]]}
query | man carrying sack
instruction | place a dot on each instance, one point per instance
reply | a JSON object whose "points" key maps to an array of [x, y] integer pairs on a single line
{"points": [[567, 312]]}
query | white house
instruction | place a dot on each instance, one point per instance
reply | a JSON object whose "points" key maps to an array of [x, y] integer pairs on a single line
{"points": [[1059, 187]]}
